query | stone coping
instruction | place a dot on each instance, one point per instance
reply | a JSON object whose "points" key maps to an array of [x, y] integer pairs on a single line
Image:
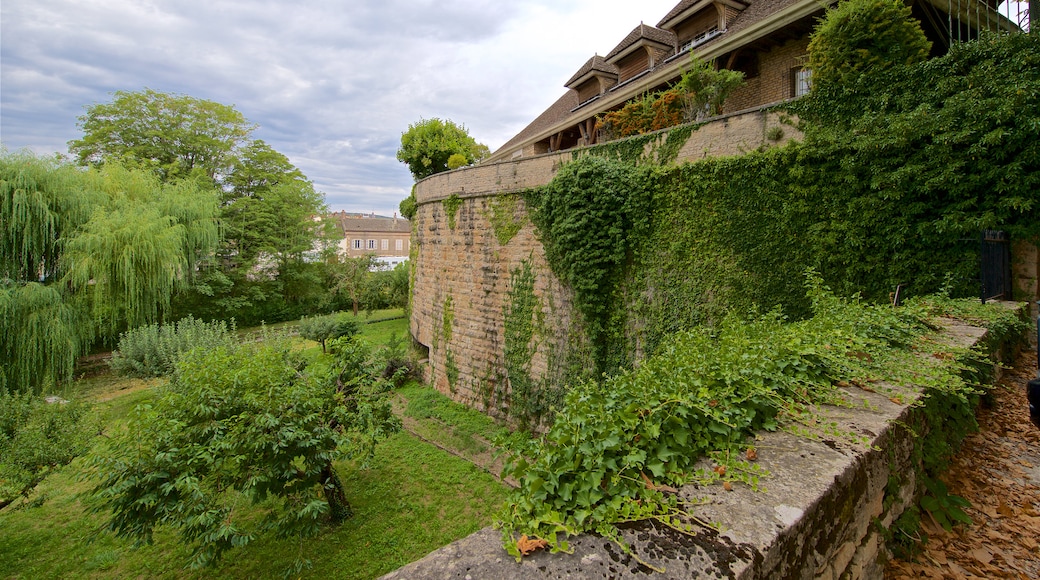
{"points": [[815, 515]]}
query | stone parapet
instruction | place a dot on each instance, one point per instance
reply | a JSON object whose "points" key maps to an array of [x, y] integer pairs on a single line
{"points": [[818, 515]]}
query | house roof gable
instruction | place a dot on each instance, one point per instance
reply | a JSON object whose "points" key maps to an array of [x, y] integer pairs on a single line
{"points": [[596, 64], [641, 35]]}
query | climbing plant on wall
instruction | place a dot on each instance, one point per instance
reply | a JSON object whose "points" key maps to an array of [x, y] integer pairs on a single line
{"points": [[591, 216]]}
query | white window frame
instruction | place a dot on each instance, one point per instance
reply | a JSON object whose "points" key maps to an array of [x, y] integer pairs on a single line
{"points": [[371, 244], [398, 245], [358, 244], [801, 80], [384, 245]]}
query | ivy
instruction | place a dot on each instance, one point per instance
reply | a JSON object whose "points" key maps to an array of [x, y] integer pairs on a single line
{"points": [[519, 331], [447, 319], [677, 137], [451, 209], [618, 446], [590, 217], [504, 219]]}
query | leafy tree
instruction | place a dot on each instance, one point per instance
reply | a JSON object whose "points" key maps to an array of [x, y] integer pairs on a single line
{"points": [[350, 277], [864, 36], [174, 135], [85, 254], [323, 328], [37, 437], [249, 422], [428, 145]]}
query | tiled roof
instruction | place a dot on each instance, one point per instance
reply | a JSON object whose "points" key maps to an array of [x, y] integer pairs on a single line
{"points": [[596, 63], [642, 32], [374, 224], [556, 112], [677, 10], [756, 12]]}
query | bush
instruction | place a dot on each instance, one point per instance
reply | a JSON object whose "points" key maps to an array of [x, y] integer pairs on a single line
{"points": [[239, 423], [324, 328], [37, 437], [152, 351]]}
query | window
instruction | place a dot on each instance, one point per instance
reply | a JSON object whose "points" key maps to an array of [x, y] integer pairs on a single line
{"points": [[801, 81], [397, 245], [357, 244], [385, 245], [371, 244]]}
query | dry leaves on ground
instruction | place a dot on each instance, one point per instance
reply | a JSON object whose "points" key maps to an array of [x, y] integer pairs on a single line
{"points": [[998, 471]]}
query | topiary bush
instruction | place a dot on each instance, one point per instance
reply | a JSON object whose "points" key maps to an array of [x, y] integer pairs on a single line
{"points": [[324, 328]]}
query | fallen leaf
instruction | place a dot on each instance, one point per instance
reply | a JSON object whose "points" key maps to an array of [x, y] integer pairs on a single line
{"points": [[528, 545], [752, 454], [982, 555], [727, 486], [720, 469], [1005, 510]]}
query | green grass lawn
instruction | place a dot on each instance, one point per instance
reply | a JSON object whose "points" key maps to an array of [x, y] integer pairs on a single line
{"points": [[411, 499]]}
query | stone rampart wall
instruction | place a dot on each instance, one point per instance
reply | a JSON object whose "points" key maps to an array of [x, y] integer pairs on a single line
{"points": [[468, 267]]}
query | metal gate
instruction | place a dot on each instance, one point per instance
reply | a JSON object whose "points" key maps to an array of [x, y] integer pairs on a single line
{"points": [[995, 263]]}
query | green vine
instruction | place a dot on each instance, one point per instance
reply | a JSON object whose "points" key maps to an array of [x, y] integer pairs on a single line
{"points": [[619, 444], [504, 220], [451, 209], [677, 137], [451, 370], [591, 216], [519, 316], [447, 318]]}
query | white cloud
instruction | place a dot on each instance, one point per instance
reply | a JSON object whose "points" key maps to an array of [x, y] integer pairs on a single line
{"points": [[332, 85]]}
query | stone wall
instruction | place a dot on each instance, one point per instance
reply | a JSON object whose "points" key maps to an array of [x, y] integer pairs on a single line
{"points": [[818, 515], [468, 267]]}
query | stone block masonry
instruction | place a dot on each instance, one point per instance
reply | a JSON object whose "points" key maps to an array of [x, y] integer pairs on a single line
{"points": [[463, 262]]}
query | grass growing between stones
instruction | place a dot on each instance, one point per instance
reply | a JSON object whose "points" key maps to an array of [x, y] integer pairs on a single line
{"points": [[411, 499]]}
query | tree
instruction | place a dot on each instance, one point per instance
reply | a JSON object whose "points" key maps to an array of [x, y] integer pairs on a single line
{"points": [[175, 136], [268, 205], [324, 328], [250, 422], [862, 36], [86, 254], [350, 277], [428, 145], [37, 437], [705, 88]]}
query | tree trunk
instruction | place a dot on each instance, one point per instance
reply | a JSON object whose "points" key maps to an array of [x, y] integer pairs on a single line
{"points": [[336, 495]]}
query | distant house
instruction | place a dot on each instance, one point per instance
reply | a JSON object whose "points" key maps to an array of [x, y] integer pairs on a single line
{"points": [[388, 239], [765, 39]]}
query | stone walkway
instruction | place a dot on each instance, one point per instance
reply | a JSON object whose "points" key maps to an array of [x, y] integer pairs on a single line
{"points": [[998, 471]]}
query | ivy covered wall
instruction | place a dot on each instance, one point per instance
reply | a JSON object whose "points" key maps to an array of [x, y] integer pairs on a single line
{"points": [[891, 184]]}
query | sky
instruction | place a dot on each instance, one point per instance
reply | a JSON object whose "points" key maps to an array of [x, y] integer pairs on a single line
{"points": [[331, 84]]}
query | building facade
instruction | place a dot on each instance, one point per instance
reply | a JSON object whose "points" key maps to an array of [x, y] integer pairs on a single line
{"points": [[767, 40], [368, 234]]}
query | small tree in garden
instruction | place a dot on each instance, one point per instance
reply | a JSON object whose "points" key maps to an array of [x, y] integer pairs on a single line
{"points": [[240, 423], [323, 328]]}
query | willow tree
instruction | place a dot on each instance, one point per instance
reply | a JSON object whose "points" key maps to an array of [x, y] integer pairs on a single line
{"points": [[85, 254]]}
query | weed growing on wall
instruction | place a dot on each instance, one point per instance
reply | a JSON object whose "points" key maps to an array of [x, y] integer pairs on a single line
{"points": [[503, 217], [451, 209]]}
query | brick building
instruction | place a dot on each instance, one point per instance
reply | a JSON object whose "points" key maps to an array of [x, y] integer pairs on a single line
{"points": [[767, 40]]}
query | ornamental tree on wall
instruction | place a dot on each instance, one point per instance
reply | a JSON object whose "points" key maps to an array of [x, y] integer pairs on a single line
{"points": [[429, 145], [864, 36]]}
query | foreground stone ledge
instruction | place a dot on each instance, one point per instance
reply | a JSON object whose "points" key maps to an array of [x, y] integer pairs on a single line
{"points": [[813, 518]]}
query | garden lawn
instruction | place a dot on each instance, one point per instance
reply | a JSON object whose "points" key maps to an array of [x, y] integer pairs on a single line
{"points": [[410, 500]]}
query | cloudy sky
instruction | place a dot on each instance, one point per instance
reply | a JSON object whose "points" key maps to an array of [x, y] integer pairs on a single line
{"points": [[331, 84]]}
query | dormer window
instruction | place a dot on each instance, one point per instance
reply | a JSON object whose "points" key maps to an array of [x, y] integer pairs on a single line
{"points": [[700, 39], [641, 51]]}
